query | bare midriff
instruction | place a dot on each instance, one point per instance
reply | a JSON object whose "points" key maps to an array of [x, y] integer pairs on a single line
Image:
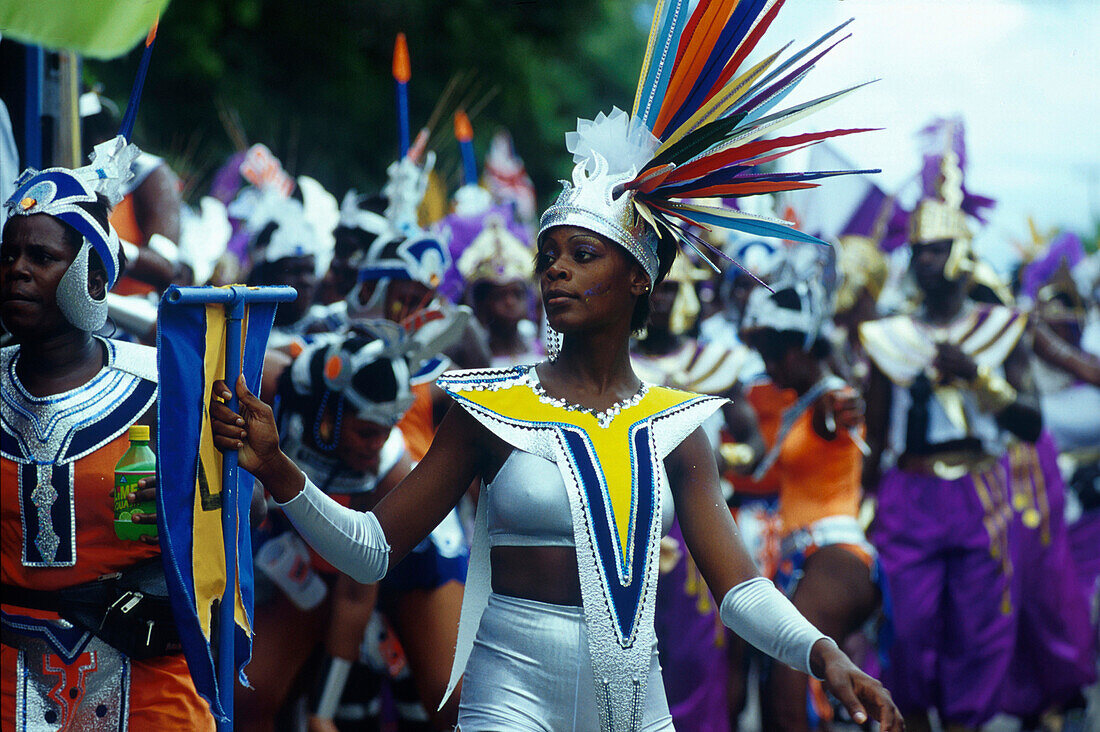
{"points": [[540, 573]]}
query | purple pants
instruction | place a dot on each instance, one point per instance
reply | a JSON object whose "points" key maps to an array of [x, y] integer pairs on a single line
{"points": [[1056, 647], [943, 545], [1084, 546], [691, 642]]}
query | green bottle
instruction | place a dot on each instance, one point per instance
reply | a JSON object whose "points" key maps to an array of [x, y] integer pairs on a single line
{"points": [[136, 463]]}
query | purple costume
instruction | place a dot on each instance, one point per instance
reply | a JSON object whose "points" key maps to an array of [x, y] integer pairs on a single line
{"points": [[944, 547], [1056, 647], [691, 643], [945, 524]]}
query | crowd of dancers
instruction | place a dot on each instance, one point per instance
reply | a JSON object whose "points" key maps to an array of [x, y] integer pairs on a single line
{"points": [[908, 442]]}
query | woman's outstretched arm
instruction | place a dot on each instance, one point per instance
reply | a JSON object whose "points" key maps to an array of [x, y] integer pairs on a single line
{"points": [[347, 538], [751, 605]]}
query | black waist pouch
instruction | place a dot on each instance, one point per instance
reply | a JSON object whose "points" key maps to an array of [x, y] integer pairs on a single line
{"points": [[130, 610]]}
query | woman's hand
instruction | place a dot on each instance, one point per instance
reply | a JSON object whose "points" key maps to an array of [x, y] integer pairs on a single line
{"points": [[253, 434], [843, 408], [146, 492], [858, 692]]}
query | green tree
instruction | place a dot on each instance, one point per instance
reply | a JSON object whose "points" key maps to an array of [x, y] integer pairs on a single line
{"points": [[313, 81]]}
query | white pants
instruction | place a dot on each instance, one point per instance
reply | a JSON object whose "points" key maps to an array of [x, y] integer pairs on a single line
{"points": [[530, 670]]}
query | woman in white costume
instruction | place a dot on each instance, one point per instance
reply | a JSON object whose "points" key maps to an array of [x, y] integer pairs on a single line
{"points": [[582, 463]]}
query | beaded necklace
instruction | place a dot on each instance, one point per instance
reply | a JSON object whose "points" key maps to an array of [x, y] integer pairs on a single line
{"points": [[603, 418]]}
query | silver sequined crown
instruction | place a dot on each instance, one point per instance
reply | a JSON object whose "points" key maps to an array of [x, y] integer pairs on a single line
{"points": [[597, 201]]}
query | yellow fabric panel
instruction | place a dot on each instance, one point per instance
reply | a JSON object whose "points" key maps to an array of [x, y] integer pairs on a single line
{"points": [[208, 547], [611, 445]]}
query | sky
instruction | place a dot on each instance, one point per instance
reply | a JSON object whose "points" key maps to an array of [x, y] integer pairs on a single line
{"points": [[1023, 74]]}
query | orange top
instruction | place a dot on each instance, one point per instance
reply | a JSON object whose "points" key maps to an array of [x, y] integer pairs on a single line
{"points": [[98, 550], [124, 221], [418, 424], [817, 477], [768, 401], [162, 695]]}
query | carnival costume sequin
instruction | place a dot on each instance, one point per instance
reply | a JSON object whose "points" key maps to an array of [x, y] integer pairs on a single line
{"points": [[58, 456], [612, 466]]}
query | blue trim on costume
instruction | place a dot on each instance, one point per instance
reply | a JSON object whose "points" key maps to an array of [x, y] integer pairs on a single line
{"points": [[420, 246], [68, 642], [112, 425], [120, 398], [95, 237], [66, 186], [625, 585], [61, 516], [9, 446], [370, 274]]}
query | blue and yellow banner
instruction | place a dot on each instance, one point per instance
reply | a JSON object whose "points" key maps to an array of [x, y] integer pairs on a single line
{"points": [[191, 349]]}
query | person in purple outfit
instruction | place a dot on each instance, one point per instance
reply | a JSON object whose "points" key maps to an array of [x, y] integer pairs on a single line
{"points": [[950, 385], [1057, 644], [691, 642]]}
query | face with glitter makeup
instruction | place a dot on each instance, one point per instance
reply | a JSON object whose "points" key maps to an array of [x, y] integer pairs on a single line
{"points": [[587, 280], [35, 253]]}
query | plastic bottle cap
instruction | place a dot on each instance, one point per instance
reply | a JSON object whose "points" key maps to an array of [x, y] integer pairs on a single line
{"points": [[139, 433]]}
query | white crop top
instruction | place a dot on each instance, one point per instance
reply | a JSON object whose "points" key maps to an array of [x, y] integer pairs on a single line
{"points": [[528, 504]]}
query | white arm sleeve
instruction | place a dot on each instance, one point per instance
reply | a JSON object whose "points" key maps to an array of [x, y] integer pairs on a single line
{"points": [[758, 612], [350, 540]]}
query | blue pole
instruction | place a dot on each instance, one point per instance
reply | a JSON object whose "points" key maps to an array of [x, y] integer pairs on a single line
{"points": [[229, 295], [227, 666], [402, 119], [469, 162], [235, 299], [32, 109]]}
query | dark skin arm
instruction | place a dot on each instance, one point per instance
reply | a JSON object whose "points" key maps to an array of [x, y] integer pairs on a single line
{"points": [[1064, 355], [151, 268], [715, 545], [879, 397], [458, 455], [408, 515], [157, 204], [743, 426], [1023, 418]]}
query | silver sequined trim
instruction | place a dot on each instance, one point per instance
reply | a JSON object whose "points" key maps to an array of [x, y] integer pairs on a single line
{"points": [[621, 663]]}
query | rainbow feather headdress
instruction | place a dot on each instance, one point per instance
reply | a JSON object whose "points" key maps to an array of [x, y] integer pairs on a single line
{"points": [[695, 131]]}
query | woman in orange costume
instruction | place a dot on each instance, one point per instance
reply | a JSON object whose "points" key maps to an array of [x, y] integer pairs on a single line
{"points": [[825, 562], [69, 398]]}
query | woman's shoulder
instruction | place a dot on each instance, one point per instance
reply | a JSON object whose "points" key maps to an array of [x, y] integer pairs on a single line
{"points": [[131, 358]]}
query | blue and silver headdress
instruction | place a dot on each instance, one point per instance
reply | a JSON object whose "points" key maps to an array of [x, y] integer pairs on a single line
{"points": [[58, 192]]}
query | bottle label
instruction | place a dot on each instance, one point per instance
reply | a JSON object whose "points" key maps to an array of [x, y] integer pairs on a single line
{"points": [[126, 482]]}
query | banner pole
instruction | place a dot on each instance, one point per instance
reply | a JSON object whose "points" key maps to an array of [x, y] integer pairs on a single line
{"points": [[233, 299], [234, 314], [32, 108]]}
